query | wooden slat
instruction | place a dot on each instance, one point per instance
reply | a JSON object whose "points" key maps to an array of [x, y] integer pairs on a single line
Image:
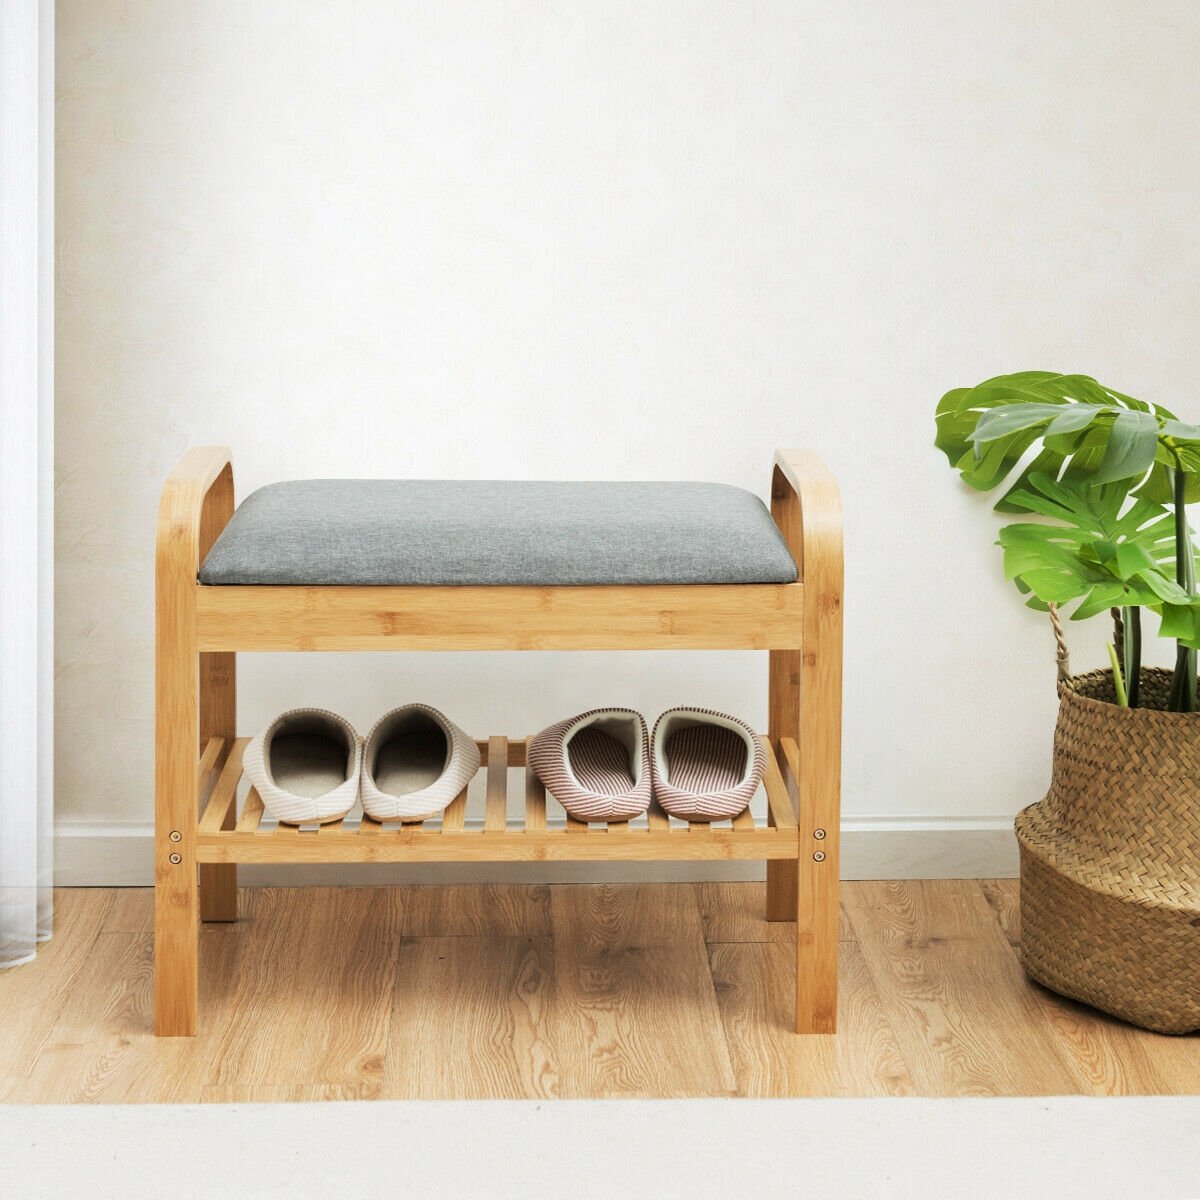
{"points": [[790, 767], [303, 829], [535, 803], [369, 827], [743, 822], [759, 616], [576, 826], [421, 845], [515, 751], [777, 793], [454, 818], [224, 794], [208, 760], [252, 813], [657, 819], [495, 812]]}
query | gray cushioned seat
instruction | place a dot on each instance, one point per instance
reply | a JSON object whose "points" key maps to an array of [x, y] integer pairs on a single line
{"points": [[387, 531]]}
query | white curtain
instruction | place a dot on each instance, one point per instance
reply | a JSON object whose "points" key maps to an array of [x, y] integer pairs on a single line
{"points": [[26, 468]]}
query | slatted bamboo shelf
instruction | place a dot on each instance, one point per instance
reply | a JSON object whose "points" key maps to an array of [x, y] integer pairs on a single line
{"points": [[226, 835]]}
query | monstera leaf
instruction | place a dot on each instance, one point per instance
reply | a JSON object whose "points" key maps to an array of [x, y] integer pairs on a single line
{"points": [[1083, 430], [1097, 554], [1102, 466]]}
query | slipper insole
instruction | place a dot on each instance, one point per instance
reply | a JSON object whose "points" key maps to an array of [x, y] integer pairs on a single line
{"points": [[308, 764], [410, 762], [600, 762], [702, 759]]}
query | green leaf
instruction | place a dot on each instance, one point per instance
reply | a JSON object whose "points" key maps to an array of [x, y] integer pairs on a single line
{"points": [[986, 470], [1011, 418], [1181, 431], [1073, 418], [1095, 468], [1049, 462], [1101, 598], [1158, 485], [1163, 587], [1093, 552], [1130, 558], [1132, 444], [1181, 622]]}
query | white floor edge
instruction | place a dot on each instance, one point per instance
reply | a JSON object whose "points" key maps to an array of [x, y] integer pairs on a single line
{"points": [[122, 855], [1066, 1148]]}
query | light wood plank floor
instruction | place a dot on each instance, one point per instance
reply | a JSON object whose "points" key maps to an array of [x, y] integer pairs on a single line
{"points": [[569, 991]]}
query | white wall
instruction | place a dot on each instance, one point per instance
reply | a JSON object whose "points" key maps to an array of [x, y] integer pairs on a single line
{"points": [[599, 240]]}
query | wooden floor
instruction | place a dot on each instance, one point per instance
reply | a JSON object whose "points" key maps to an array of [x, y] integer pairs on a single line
{"points": [[569, 991]]}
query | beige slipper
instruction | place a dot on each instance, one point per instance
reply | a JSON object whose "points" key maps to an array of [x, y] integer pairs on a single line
{"points": [[415, 761], [305, 766]]}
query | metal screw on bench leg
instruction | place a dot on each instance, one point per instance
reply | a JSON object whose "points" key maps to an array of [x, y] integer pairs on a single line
{"points": [[819, 856], [819, 834], [176, 836], [176, 859]]}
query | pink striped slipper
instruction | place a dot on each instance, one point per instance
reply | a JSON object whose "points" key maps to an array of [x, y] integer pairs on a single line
{"points": [[706, 765], [596, 765]]}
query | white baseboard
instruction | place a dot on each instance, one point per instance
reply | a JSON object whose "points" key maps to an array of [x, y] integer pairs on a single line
{"points": [[121, 854]]}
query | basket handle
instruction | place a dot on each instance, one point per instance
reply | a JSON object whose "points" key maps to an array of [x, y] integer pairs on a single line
{"points": [[1060, 640]]}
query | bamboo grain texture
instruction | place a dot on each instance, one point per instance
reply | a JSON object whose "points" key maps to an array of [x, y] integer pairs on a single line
{"points": [[761, 616]]}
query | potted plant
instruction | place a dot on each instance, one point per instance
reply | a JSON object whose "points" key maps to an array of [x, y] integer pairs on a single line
{"points": [[1110, 858]]}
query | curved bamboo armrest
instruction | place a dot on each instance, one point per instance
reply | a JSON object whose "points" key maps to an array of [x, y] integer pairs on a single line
{"points": [[807, 506], [196, 504]]}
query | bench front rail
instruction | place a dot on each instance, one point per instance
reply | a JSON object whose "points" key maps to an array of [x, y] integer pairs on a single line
{"points": [[202, 832]]}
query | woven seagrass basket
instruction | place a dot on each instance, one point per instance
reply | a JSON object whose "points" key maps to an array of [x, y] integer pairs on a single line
{"points": [[1110, 859]]}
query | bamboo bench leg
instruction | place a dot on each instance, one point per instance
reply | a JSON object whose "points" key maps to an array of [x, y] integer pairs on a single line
{"points": [[818, 812], [806, 890], [817, 937], [818, 818], [218, 718], [176, 897], [783, 720]]}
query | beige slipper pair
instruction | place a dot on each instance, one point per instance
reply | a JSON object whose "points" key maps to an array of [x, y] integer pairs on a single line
{"points": [[603, 765], [310, 766]]}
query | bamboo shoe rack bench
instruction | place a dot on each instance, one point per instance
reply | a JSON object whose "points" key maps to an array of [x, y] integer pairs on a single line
{"points": [[202, 833]]}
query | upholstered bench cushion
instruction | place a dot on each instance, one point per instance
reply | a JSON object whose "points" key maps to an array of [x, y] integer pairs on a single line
{"points": [[385, 531]]}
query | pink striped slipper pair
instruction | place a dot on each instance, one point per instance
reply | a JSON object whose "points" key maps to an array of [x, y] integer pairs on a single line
{"points": [[603, 765]]}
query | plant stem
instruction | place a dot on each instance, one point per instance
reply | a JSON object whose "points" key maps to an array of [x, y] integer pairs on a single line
{"points": [[1131, 620], [1183, 682], [1118, 682]]}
